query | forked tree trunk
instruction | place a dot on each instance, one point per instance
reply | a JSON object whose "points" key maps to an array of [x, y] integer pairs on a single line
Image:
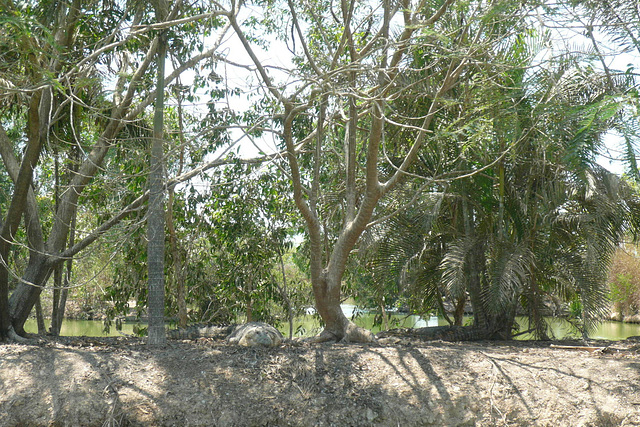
{"points": [[19, 201], [327, 284], [337, 326], [328, 265], [25, 297]]}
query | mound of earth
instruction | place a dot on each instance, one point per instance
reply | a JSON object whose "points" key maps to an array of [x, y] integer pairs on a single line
{"points": [[397, 382]]}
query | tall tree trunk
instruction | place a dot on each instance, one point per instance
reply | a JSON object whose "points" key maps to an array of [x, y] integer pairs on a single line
{"points": [[177, 256], [21, 189], [57, 273], [156, 214], [285, 294]]}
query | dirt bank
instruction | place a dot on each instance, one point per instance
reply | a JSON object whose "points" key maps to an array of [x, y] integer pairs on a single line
{"points": [[119, 381]]}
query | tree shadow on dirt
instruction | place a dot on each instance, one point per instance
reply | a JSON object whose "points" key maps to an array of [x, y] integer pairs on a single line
{"points": [[210, 382], [55, 386], [576, 385]]}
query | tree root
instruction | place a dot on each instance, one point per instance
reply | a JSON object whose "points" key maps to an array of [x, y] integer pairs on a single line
{"points": [[14, 337]]}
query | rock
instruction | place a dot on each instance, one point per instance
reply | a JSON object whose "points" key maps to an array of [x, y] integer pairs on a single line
{"points": [[255, 334]]}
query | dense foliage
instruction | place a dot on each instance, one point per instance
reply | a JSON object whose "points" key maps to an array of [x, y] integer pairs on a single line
{"points": [[453, 145]]}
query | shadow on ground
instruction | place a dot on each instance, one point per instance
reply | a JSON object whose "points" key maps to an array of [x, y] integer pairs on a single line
{"points": [[86, 381]]}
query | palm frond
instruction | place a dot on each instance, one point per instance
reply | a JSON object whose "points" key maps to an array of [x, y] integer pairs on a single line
{"points": [[454, 266], [510, 268]]}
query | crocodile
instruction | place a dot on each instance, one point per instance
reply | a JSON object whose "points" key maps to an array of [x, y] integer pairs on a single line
{"points": [[248, 334], [196, 331], [443, 333]]}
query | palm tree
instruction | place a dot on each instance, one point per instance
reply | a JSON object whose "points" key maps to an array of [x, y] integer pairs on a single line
{"points": [[612, 29], [535, 216]]}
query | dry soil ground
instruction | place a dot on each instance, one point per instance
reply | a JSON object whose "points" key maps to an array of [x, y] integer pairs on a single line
{"points": [[397, 382]]}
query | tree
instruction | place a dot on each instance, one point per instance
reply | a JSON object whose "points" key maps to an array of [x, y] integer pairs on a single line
{"points": [[624, 284], [63, 65], [352, 64], [156, 212], [541, 221], [610, 31]]}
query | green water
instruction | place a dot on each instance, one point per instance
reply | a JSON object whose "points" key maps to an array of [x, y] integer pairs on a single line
{"points": [[558, 328], [309, 325], [89, 328]]}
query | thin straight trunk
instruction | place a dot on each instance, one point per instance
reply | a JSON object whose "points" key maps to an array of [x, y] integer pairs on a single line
{"points": [[156, 214], [57, 273], [42, 329], [63, 299], [67, 275], [57, 286], [248, 290], [178, 265], [285, 295]]}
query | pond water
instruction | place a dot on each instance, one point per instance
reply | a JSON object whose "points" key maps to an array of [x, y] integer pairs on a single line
{"points": [[559, 328], [89, 328], [309, 325]]}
